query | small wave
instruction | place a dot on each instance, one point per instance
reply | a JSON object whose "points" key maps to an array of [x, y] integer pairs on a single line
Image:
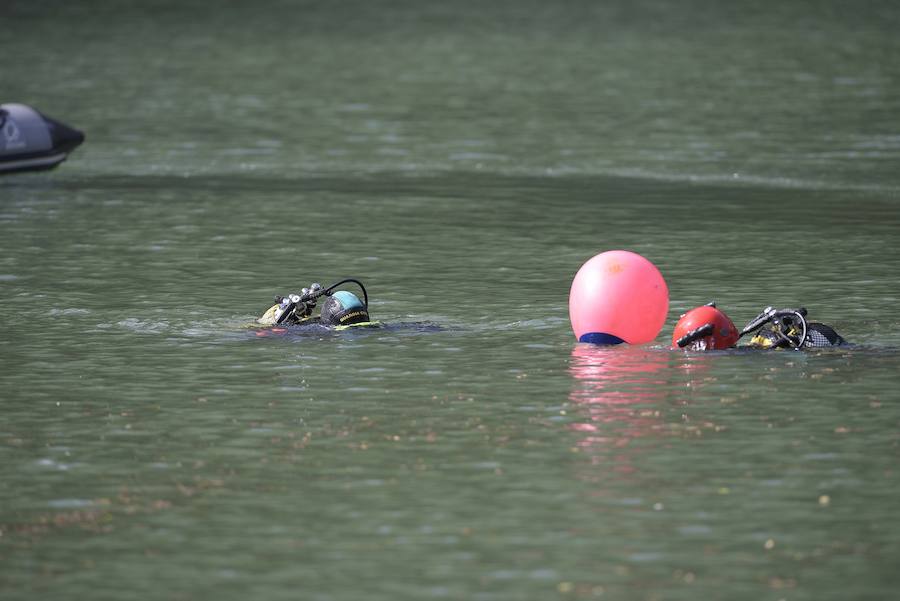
{"points": [[69, 311], [53, 464], [740, 179], [70, 503], [143, 326], [736, 179], [477, 156], [542, 323]]}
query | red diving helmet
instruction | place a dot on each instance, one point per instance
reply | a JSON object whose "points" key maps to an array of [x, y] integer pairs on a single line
{"points": [[704, 329]]}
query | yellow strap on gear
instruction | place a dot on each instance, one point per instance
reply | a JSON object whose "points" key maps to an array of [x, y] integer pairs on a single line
{"points": [[364, 324], [759, 341]]}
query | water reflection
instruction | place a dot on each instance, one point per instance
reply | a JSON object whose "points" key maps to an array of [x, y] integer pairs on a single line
{"points": [[629, 401], [617, 393]]}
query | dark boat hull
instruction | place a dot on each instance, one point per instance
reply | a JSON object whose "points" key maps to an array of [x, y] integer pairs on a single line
{"points": [[30, 141]]}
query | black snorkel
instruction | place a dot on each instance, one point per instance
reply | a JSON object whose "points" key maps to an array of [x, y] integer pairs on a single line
{"points": [[701, 332]]}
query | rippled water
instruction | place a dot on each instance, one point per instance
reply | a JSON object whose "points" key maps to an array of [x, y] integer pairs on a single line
{"points": [[463, 161]]}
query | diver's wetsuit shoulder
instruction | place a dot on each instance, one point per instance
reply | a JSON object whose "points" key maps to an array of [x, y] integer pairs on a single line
{"points": [[820, 335]]}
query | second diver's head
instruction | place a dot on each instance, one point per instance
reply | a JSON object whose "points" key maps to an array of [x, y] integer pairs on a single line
{"points": [[704, 328], [342, 309]]}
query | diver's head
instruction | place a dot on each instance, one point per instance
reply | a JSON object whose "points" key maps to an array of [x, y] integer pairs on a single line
{"points": [[704, 329], [343, 308]]}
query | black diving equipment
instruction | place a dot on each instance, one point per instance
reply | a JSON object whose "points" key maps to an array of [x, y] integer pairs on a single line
{"points": [[789, 328], [341, 308]]}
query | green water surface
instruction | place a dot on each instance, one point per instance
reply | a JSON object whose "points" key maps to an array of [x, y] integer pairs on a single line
{"points": [[462, 159]]}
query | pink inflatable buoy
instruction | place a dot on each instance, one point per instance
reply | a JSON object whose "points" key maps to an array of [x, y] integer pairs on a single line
{"points": [[618, 296]]}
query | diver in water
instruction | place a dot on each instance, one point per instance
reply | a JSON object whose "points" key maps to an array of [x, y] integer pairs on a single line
{"points": [[341, 308], [708, 328]]}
